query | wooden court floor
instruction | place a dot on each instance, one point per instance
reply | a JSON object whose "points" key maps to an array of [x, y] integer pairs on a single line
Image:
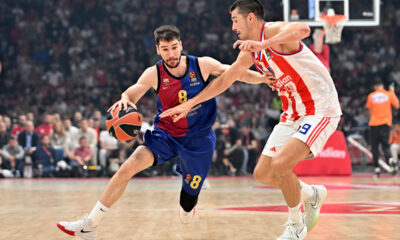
{"points": [[357, 207]]}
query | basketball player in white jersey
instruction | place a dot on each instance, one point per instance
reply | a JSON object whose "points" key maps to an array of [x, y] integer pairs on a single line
{"points": [[310, 105]]}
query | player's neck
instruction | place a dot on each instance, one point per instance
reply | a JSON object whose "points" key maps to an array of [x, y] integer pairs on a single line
{"points": [[180, 70], [255, 34]]}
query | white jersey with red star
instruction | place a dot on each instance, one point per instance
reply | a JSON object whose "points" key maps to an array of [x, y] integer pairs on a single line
{"points": [[303, 83]]}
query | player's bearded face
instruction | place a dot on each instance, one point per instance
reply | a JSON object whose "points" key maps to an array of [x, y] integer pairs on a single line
{"points": [[173, 62], [170, 52]]}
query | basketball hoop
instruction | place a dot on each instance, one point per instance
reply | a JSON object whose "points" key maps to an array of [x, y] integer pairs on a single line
{"points": [[333, 26]]}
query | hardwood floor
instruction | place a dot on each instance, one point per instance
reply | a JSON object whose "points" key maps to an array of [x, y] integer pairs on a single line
{"points": [[357, 207]]}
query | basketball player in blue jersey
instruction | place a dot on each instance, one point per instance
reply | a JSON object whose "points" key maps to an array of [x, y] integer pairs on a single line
{"points": [[175, 79]]}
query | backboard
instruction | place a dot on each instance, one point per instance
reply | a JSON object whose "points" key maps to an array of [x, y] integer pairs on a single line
{"points": [[358, 13]]}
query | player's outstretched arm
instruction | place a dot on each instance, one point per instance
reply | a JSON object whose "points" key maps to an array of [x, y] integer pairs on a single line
{"points": [[132, 95], [211, 66], [280, 35], [214, 88]]}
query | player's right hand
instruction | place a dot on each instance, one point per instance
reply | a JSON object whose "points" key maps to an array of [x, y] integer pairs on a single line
{"points": [[122, 104], [178, 111]]}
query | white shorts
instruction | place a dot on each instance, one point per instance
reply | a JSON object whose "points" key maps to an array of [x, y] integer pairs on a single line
{"points": [[312, 130]]}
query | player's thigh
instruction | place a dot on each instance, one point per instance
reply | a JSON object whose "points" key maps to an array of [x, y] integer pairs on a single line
{"points": [[289, 155], [281, 133], [312, 134], [161, 144]]}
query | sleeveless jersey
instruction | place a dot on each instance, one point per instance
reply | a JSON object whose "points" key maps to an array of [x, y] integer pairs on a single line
{"points": [[303, 83], [172, 91]]}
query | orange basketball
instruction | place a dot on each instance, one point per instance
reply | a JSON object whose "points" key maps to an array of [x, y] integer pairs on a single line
{"points": [[124, 125]]}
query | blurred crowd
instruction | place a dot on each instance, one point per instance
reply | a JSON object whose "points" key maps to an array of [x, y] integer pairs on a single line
{"points": [[69, 58]]}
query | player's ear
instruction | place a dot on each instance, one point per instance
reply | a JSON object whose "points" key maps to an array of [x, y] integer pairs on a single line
{"points": [[251, 17], [158, 51]]}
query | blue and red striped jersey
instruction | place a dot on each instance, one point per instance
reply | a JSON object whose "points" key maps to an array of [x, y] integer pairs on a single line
{"points": [[172, 90]]}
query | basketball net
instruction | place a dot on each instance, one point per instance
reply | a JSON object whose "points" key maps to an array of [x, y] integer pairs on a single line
{"points": [[333, 26]]}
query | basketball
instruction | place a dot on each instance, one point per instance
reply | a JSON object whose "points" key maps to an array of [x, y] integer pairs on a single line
{"points": [[124, 125]]}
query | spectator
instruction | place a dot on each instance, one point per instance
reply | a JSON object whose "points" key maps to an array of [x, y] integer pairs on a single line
{"points": [[44, 158], [108, 149], [58, 140], [4, 135], [90, 137], [380, 104], [81, 156], [29, 139], [7, 121], [77, 119], [13, 155], [250, 149], [394, 141], [97, 115], [30, 117], [46, 127], [53, 77], [70, 131], [20, 127], [96, 126]]}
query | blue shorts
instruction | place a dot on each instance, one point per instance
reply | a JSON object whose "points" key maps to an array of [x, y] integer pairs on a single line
{"points": [[194, 152]]}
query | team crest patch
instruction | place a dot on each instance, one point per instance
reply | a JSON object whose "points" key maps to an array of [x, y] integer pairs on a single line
{"points": [[165, 81], [188, 178]]}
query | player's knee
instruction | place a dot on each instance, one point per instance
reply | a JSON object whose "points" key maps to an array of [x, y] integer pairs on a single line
{"points": [[259, 174], [264, 176], [279, 167], [187, 201], [137, 162]]}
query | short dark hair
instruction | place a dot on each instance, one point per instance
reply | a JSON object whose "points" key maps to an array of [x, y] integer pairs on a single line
{"points": [[166, 33], [249, 6], [377, 82]]}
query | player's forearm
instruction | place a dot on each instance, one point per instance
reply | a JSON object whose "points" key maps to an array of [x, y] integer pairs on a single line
{"points": [[127, 96], [252, 77], [290, 33], [216, 87]]}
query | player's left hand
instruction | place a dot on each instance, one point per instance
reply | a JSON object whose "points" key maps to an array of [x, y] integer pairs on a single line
{"points": [[178, 111], [250, 45], [270, 80]]}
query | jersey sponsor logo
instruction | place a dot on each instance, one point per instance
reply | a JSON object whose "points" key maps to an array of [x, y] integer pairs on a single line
{"points": [[283, 81], [380, 98]]}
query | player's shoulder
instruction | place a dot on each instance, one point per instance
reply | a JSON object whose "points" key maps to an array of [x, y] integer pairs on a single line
{"points": [[273, 28], [150, 70]]}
